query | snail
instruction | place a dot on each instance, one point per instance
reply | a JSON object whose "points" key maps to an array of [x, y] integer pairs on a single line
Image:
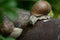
{"points": [[40, 8], [40, 11], [44, 27], [7, 27]]}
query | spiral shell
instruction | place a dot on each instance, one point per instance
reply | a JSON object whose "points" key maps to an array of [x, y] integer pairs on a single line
{"points": [[41, 8], [7, 27]]}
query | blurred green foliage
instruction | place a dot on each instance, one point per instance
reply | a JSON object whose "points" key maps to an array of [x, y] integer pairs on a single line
{"points": [[51, 13], [26, 4], [0, 17], [6, 38], [55, 7], [6, 7]]}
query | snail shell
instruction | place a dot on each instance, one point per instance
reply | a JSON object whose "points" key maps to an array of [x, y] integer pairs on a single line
{"points": [[7, 27], [41, 8]]}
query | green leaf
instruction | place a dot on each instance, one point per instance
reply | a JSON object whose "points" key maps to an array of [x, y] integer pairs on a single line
{"points": [[10, 38], [51, 13], [1, 17], [1, 37], [56, 8], [11, 4], [6, 38], [1, 1], [57, 15]]}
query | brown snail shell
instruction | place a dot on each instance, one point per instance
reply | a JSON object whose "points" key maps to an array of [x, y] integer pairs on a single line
{"points": [[41, 7], [7, 27]]}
